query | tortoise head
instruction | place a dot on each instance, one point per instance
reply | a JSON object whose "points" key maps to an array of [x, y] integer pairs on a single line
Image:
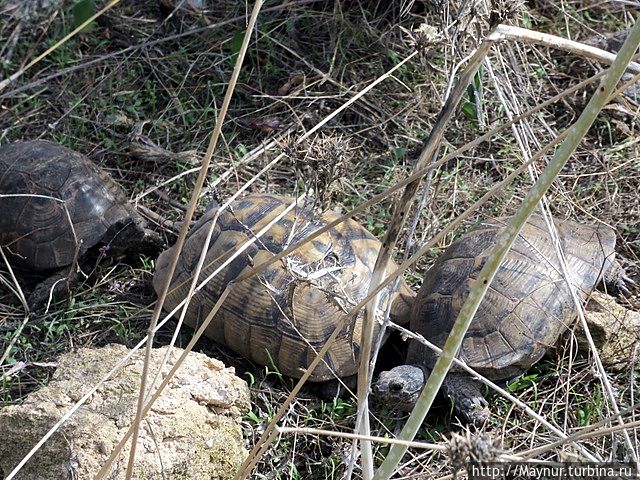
{"points": [[401, 386], [131, 234]]}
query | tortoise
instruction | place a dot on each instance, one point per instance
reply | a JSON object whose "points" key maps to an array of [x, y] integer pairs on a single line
{"points": [[526, 309], [56, 206], [281, 316]]}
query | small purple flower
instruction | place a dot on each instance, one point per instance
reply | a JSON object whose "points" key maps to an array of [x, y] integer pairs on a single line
{"points": [[104, 250]]}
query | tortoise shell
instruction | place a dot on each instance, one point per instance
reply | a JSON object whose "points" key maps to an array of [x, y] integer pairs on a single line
{"points": [[528, 305], [56, 204], [282, 315]]}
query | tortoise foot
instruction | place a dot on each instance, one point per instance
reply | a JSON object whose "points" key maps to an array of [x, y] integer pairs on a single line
{"points": [[616, 277], [49, 289], [468, 401], [473, 410]]}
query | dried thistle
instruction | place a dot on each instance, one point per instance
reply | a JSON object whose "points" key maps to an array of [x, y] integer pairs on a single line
{"points": [[423, 37], [319, 162], [467, 448], [504, 10]]}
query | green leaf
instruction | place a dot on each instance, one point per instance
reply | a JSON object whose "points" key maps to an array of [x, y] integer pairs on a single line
{"points": [[473, 104], [252, 417], [399, 153], [470, 110], [236, 44], [83, 10], [522, 383]]}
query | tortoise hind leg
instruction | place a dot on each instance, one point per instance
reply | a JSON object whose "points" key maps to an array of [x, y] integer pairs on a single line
{"points": [[616, 277], [466, 395], [52, 287]]}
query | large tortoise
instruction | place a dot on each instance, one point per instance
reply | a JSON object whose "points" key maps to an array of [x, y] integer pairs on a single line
{"points": [[526, 309], [283, 315], [56, 205]]}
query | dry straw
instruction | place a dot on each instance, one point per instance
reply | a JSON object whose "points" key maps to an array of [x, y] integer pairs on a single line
{"points": [[503, 243], [270, 433]]}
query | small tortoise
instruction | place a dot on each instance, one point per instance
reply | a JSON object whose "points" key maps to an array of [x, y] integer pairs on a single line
{"points": [[527, 308], [56, 204], [282, 315]]}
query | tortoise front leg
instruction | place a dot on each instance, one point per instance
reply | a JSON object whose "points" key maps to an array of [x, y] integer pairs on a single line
{"points": [[50, 288], [467, 397], [616, 278]]}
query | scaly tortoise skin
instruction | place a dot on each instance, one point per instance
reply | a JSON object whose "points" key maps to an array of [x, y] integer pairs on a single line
{"points": [[526, 309], [279, 317], [56, 204]]}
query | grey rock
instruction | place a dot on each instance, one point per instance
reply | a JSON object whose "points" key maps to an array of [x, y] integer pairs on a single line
{"points": [[615, 331], [191, 432]]}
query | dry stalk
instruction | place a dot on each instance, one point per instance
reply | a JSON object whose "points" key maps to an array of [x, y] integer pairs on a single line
{"points": [[374, 200], [55, 46], [193, 203], [386, 320], [400, 213], [354, 436], [167, 378], [615, 428], [519, 34]]}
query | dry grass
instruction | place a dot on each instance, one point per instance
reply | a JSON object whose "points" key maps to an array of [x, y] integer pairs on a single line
{"points": [[139, 95]]}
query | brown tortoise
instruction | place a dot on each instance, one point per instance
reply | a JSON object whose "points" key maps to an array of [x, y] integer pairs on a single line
{"points": [[281, 315], [526, 309], [56, 204]]}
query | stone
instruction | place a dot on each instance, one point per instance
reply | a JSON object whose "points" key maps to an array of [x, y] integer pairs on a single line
{"points": [[615, 331], [191, 432], [184, 6]]}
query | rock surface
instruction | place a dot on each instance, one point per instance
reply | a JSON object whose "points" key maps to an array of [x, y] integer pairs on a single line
{"points": [[191, 432], [615, 331], [184, 6]]}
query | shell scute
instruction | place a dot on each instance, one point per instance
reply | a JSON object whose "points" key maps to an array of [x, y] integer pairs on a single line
{"points": [[59, 202], [291, 308], [528, 304]]}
